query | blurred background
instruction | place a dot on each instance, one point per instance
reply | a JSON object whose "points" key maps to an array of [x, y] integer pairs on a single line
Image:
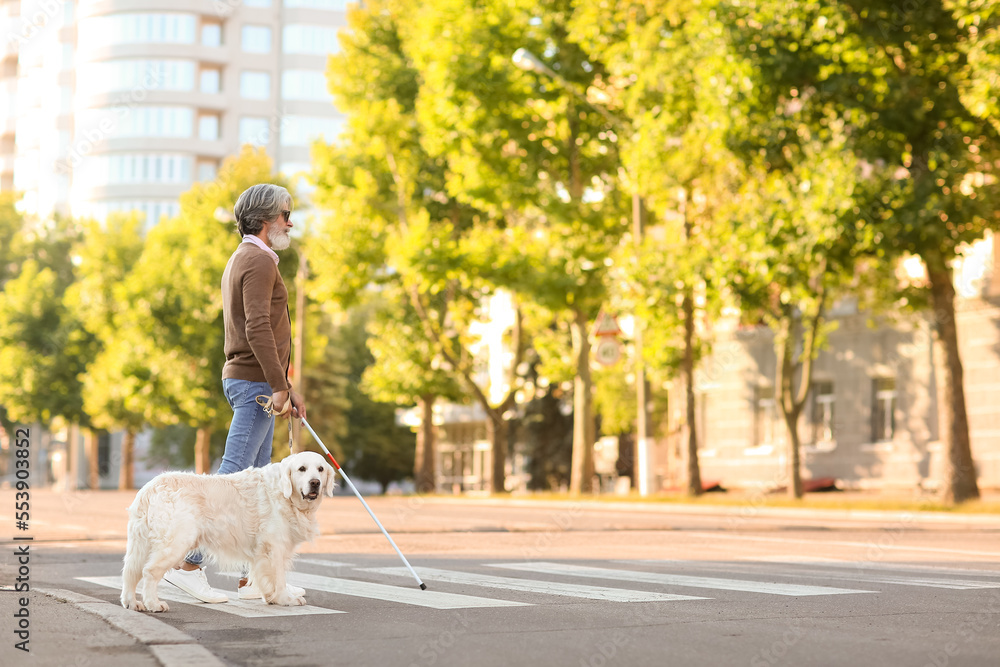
{"points": [[623, 247]]}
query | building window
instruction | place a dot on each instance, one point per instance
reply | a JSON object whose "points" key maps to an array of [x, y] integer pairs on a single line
{"points": [[136, 75], [254, 131], [256, 39], [332, 5], [125, 168], [255, 85], [137, 28], [208, 127], [304, 130], [207, 171], [141, 121], [883, 409], [764, 416], [210, 80], [211, 34], [822, 411], [299, 84], [309, 39]]}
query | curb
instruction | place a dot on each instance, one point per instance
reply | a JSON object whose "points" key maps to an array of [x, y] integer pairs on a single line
{"points": [[747, 510], [170, 646]]}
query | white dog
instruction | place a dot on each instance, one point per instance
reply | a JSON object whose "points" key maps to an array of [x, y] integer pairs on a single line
{"points": [[254, 517]]}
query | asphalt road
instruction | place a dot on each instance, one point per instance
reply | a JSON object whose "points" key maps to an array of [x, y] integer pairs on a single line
{"points": [[571, 584]]}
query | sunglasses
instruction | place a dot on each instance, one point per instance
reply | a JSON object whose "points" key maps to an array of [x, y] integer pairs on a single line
{"points": [[287, 215]]}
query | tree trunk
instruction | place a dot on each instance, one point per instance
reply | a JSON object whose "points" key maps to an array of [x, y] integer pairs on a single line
{"points": [[791, 399], [496, 430], [93, 468], [423, 462], [582, 471], [687, 370], [126, 471], [960, 476], [73, 458], [202, 458], [790, 410]]}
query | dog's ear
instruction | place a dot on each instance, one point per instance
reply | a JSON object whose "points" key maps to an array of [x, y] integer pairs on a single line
{"points": [[285, 479], [330, 483]]}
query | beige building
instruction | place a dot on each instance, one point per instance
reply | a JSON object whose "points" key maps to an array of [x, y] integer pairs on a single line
{"points": [[872, 419], [123, 104]]}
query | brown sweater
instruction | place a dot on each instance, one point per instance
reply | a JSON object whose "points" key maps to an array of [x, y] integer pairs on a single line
{"points": [[255, 313]]}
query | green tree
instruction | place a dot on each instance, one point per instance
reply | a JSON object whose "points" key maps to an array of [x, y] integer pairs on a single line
{"points": [[393, 222], [43, 351], [11, 226], [914, 90], [43, 348], [662, 71], [403, 372], [115, 377], [539, 162], [375, 446]]}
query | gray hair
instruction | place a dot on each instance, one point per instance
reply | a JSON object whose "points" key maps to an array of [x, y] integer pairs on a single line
{"points": [[258, 205]]}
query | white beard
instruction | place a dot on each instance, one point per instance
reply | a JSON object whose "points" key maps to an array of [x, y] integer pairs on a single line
{"points": [[278, 236]]}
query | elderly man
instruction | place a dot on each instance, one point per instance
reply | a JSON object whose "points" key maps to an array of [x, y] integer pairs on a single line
{"points": [[258, 349]]}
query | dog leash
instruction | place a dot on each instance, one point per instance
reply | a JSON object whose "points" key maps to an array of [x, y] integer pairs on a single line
{"points": [[268, 404]]}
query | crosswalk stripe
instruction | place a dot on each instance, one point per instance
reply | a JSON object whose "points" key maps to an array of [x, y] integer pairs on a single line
{"points": [[886, 577], [530, 586], [795, 590], [869, 566], [409, 595], [324, 563], [235, 606]]}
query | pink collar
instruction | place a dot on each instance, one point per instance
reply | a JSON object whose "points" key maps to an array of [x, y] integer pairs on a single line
{"points": [[249, 238]]}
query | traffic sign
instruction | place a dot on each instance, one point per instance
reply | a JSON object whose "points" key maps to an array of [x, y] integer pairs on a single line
{"points": [[608, 351], [606, 325]]}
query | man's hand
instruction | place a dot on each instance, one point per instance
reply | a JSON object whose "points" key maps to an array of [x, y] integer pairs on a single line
{"points": [[298, 405], [278, 399]]}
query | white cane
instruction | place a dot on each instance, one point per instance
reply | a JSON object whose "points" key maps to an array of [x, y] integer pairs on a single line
{"points": [[347, 479]]}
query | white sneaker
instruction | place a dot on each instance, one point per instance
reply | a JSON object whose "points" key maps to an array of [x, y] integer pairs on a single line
{"points": [[194, 583], [251, 592]]}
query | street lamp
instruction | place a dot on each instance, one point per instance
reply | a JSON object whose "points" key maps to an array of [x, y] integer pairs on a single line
{"points": [[529, 62]]}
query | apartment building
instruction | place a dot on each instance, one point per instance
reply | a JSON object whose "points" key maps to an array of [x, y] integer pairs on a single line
{"points": [[116, 105]]}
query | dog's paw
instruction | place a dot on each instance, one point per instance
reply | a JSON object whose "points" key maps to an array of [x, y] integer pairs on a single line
{"points": [[135, 605], [158, 606], [287, 600]]}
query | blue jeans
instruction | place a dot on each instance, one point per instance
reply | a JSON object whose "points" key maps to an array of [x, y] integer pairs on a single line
{"points": [[250, 434]]}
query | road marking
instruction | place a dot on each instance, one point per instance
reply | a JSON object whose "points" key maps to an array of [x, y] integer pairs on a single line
{"points": [[678, 580], [865, 565], [912, 578], [794, 559], [235, 606], [320, 561], [409, 595], [531, 586], [867, 545]]}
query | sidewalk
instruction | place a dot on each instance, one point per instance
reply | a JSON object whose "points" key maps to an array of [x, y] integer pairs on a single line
{"points": [[56, 624]]}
